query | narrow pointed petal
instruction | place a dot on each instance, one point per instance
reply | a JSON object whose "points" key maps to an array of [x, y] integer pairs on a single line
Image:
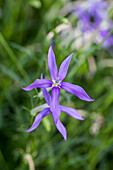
{"points": [[38, 119], [71, 112], [61, 129], [76, 90], [39, 83], [64, 68], [41, 75], [45, 93], [52, 64], [54, 105]]}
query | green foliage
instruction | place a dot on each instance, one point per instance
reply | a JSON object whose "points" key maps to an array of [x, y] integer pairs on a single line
{"points": [[26, 31], [35, 3]]}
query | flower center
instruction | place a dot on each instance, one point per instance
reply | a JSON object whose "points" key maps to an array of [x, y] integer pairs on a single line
{"points": [[92, 19], [56, 83]]}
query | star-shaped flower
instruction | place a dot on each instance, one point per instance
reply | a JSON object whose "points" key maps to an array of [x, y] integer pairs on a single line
{"points": [[56, 83], [70, 111], [90, 13]]}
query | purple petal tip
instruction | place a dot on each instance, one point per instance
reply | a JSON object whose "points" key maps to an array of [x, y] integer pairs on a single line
{"points": [[27, 131], [65, 140], [50, 48], [70, 56], [41, 75], [92, 100], [24, 88], [89, 100], [80, 118]]}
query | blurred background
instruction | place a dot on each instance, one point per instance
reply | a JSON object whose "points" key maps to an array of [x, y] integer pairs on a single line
{"points": [[27, 29]]}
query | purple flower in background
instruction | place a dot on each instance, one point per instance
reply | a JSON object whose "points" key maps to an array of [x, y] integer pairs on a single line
{"points": [[109, 41], [56, 83], [70, 111], [90, 14]]}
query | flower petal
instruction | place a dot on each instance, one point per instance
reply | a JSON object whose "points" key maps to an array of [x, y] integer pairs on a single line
{"points": [[76, 90], [45, 93], [72, 112], [54, 105], [61, 129], [52, 64], [39, 83], [64, 67], [38, 119]]}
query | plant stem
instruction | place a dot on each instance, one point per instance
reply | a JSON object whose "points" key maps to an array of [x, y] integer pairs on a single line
{"points": [[14, 58]]}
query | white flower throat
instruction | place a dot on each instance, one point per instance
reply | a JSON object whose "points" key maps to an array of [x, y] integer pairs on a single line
{"points": [[56, 83]]}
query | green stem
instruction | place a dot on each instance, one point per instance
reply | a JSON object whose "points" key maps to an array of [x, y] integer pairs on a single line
{"points": [[29, 159], [13, 58], [3, 162]]}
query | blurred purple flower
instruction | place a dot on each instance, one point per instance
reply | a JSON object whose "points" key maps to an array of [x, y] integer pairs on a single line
{"points": [[90, 14], [70, 111], [109, 41], [57, 83]]}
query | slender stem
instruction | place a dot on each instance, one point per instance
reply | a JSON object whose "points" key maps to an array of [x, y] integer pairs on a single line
{"points": [[30, 161], [14, 58]]}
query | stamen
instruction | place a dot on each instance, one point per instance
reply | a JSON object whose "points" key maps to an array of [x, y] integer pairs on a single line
{"points": [[56, 83]]}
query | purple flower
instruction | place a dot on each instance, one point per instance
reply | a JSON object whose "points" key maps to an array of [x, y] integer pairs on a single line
{"points": [[90, 14], [70, 111], [56, 83], [109, 41]]}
